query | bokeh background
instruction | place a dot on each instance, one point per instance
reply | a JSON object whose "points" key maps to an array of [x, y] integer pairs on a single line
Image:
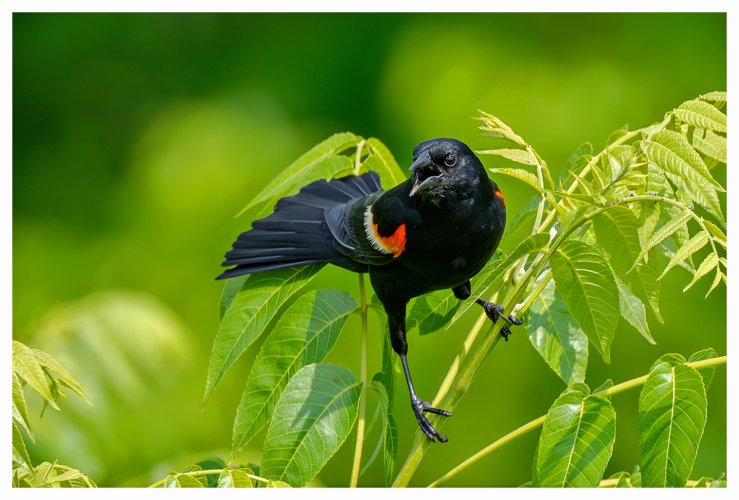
{"points": [[138, 137]]}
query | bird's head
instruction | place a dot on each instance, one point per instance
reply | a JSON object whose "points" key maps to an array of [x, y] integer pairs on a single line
{"points": [[444, 166]]}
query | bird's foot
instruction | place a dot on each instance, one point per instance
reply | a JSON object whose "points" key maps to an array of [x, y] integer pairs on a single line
{"points": [[419, 407], [495, 311]]}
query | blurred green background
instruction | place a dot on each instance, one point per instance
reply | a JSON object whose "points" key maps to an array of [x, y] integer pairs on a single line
{"points": [[137, 137]]}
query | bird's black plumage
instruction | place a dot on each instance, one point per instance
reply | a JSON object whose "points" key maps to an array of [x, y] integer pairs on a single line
{"points": [[434, 231]]}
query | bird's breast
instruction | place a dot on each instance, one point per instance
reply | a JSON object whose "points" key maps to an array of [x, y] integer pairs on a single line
{"points": [[450, 247]]}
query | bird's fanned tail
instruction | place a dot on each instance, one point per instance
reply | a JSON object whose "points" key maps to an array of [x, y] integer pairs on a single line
{"points": [[296, 233]]}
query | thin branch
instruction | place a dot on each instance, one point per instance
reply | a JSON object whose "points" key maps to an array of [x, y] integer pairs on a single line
{"points": [[361, 422]]}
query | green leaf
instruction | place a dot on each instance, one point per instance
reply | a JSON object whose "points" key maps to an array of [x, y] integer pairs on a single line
{"points": [[683, 165], [496, 267], [234, 478], [667, 229], [20, 411], [702, 115], [709, 264], [249, 315], [495, 127], [388, 442], [432, 312], [384, 163], [179, 480], [589, 289], [386, 378], [691, 192], [632, 310], [310, 167], [520, 174], [671, 151], [624, 479], [59, 374], [576, 440], [305, 333], [27, 367], [672, 415], [691, 246], [616, 231], [277, 484], [647, 216], [557, 337], [390, 446], [230, 289], [381, 415], [718, 235], [707, 371], [710, 144], [312, 419], [628, 480], [709, 482], [523, 156], [20, 453], [715, 96]]}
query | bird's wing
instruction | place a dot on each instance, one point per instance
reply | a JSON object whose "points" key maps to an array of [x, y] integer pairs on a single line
{"points": [[370, 229]]}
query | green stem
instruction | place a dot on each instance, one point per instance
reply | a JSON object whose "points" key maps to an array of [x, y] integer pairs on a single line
{"points": [[489, 449], [365, 382], [208, 472], [537, 422]]}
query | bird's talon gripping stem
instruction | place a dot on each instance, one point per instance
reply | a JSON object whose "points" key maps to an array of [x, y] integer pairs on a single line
{"points": [[495, 311]]}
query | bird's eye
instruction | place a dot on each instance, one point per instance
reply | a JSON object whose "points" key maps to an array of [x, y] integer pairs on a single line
{"points": [[450, 160]]}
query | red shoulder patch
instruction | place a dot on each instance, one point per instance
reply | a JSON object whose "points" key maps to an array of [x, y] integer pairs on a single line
{"points": [[395, 243], [500, 195]]}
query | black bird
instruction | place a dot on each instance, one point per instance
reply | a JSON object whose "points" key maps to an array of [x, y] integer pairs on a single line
{"points": [[433, 231]]}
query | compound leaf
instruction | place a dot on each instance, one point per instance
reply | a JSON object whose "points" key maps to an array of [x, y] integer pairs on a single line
{"points": [[312, 419], [249, 314], [305, 333]]}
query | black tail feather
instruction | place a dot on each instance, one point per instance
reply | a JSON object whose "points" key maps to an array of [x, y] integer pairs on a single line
{"points": [[296, 234]]}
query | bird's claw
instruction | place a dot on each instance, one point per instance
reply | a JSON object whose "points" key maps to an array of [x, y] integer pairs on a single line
{"points": [[419, 407], [495, 311]]}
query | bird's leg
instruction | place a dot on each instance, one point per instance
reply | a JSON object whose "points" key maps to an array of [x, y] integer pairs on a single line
{"points": [[396, 321], [494, 311], [420, 406]]}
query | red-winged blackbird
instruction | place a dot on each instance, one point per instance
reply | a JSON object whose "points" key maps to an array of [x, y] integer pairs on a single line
{"points": [[433, 231]]}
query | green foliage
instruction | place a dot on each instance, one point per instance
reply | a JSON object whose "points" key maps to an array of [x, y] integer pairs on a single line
{"points": [[50, 475], [304, 334], [194, 476], [590, 251], [49, 378]]}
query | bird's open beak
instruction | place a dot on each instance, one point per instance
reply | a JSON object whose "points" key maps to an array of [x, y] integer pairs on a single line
{"points": [[425, 174]]}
